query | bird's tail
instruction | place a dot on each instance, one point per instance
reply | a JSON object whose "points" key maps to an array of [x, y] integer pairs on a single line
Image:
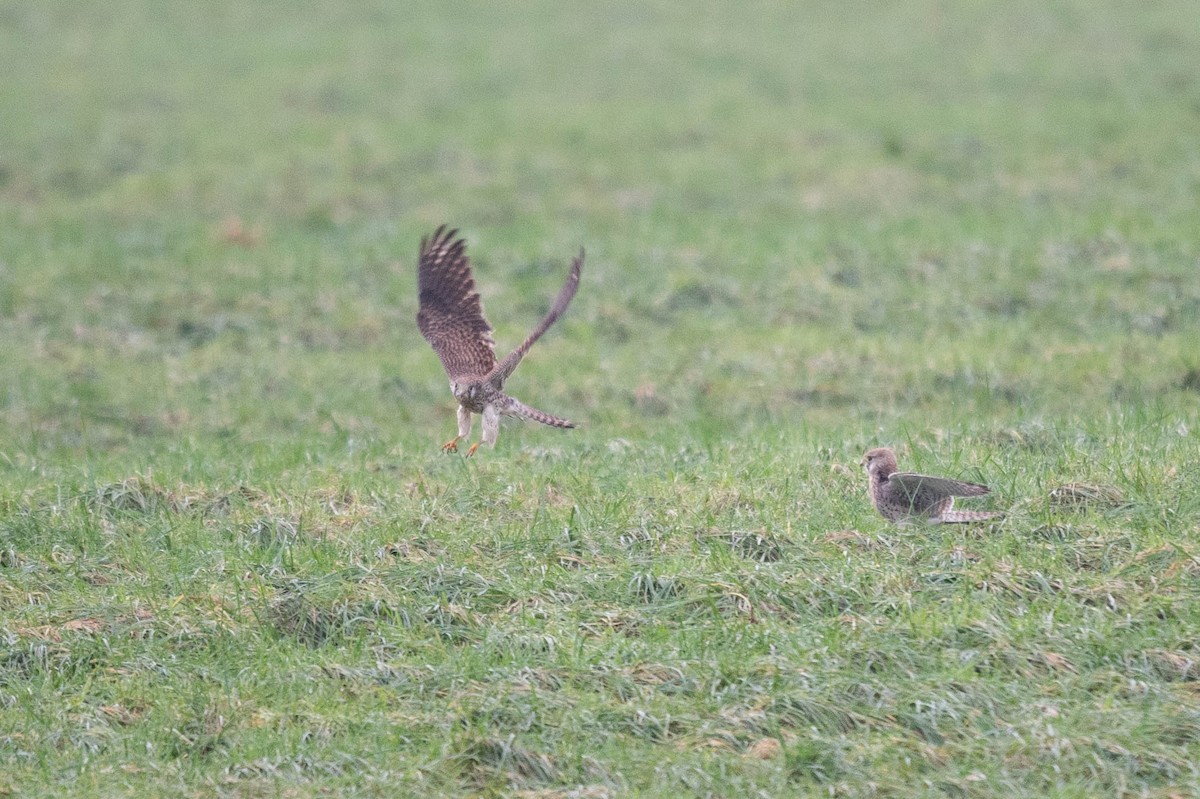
{"points": [[519, 409], [967, 516]]}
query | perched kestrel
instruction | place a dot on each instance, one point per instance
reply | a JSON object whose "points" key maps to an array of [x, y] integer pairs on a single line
{"points": [[902, 496], [451, 320]]}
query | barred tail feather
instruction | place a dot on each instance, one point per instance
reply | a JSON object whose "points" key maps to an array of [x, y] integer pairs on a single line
{"points": [[521, 410], [966, 516]]}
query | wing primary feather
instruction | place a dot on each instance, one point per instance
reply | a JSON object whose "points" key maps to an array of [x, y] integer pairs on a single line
{"points": [[505, 368], [450, 314], [942, 486]]}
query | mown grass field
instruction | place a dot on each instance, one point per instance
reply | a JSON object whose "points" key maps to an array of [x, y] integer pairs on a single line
{"points": [[234, 562]]}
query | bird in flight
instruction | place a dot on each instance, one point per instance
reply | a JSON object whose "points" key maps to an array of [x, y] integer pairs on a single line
{"points": [[903, 496], [450, 317]]}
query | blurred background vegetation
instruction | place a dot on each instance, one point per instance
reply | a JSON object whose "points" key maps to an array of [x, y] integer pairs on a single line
{"points": [[793, 211]]}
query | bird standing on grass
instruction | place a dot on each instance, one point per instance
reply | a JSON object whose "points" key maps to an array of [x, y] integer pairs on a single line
{"points": [[451, 319], [903, 496]]}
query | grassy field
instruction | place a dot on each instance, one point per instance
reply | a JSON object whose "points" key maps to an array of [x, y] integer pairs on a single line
{"points": [[234, 562]]}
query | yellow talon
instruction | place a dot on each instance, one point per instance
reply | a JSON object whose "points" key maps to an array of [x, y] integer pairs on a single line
{"points": [[474, 447], [451, 445]]}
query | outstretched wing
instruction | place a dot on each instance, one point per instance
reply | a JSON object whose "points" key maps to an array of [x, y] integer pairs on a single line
{"points": [[450, 315], [506, 367], [923, 492]]}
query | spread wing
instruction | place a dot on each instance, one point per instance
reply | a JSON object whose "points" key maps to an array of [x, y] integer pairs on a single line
{"points": [[450, 315], [923, 492], [506, 367]]}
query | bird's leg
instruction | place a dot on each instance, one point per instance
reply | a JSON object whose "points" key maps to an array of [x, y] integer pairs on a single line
{"points": [[464, 430], [491, 428], [491, 424]]}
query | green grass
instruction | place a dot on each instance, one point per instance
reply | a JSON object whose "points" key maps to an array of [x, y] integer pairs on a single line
{"points": [[234, 562]]}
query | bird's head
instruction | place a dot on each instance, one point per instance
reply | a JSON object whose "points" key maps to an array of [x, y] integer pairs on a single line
{"points": [[879, 463], [465, 391]]}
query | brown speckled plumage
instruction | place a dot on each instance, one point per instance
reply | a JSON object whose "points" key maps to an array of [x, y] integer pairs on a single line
{"points": [[903, 496], [451, 319]]}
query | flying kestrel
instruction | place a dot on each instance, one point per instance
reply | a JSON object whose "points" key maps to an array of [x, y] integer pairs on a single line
{"points": [[902, 496], [451, 320]]}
